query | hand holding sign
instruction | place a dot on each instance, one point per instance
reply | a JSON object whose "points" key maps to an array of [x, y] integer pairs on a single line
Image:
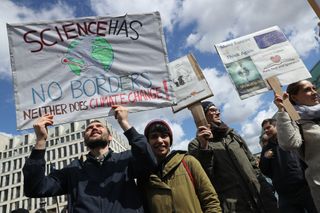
{"points": [[281, 100]]}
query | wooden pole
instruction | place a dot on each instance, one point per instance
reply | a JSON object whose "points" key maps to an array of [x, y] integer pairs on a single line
{"points": [[276, 87], [198, 114], [315, 6]]}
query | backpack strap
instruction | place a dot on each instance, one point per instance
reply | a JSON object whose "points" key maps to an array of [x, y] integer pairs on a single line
{"points": [[188, 171]]}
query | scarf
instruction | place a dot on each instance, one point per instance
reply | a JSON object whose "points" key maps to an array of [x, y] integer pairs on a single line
{"points": [[219, 131], [308, 112]]}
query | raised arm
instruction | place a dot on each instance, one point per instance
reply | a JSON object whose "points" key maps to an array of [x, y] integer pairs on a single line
{"points": [[143, 159], [36, 183], [289, 136], [199, 148]]}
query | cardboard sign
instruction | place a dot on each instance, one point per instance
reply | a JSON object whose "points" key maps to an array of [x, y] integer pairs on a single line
{"points": [[77, 69], [253, 58], [189, 83]]}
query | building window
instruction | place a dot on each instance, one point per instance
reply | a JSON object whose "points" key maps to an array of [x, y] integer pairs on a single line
{"points": [[10, 154], [14, 164], [72, 127], [26, 139], [9, 165], [19, 177], [10, 143], [67, 138], [48, 155], [4, 155], [18, 192], [62, 139], [76, 148], [51, 142], [54, 154], [70, 150], [73, 137], [56, 130], [5, 195], [78, 135], [59, 153], [82, 147], [65, 151]]}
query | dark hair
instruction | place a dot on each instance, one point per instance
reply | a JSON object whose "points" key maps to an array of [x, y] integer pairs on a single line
{"points": [[271, 121], [206, 105], [97, 121], [158, 126], [293, 89]]}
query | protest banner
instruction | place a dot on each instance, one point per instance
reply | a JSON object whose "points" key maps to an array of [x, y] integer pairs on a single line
{"points": [[77, 69], [190, 87], [253, 58], [315, 4]]}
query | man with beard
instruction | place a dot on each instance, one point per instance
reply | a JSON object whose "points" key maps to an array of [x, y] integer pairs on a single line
{"points": [[231, 167], [104, 181]]}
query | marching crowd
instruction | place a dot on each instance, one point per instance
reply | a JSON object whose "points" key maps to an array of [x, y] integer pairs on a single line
{"points": [[218, 173]]}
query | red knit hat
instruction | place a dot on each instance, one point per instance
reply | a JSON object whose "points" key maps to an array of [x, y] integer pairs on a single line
{"points": [[158, 125]]}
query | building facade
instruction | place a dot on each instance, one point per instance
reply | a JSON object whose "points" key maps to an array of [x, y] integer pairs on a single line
{"points": [[64, 144]]}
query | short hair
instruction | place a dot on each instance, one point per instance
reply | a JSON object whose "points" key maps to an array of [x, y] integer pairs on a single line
{"points": [[97, 121], [271, 121], [293, 89]]}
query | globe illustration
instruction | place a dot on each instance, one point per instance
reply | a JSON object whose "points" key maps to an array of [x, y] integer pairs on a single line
{"points": [[89, 55]]}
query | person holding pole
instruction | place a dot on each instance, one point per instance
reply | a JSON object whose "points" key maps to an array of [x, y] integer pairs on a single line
{"points": [[286, 170], [303, 135], [179, 184], [104, 181], [231, 167]]}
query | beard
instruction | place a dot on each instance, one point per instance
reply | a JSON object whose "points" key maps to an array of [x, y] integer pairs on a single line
{"points": [[100, 142]]}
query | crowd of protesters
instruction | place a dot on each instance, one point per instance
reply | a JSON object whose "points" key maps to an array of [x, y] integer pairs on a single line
{"points": [[217, 174]]}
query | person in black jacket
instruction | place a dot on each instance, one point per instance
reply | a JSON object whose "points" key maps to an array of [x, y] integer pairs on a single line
{"points": [[104, 181], [286, 171], [231, 167]]}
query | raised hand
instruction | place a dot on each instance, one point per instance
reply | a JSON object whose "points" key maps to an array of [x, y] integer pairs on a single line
{"points": [[121, 114], [203, 135], [41, 131]]}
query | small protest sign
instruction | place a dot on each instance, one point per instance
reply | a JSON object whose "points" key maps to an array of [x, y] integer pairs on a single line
{"points": [[253, 58], [189, 86], [77, 69]]}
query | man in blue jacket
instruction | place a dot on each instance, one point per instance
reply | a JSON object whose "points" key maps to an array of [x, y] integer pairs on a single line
{"points": [[104, 181], [286, 171]]}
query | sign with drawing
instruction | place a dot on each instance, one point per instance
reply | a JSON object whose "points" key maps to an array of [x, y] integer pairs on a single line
{"points": [[77, 69], [189, 84], [253, 58]]}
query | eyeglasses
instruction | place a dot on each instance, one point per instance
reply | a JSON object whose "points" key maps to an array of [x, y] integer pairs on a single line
{"points": [[214, 110]]}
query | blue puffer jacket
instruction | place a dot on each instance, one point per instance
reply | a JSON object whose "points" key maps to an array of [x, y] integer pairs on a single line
{"points": [[92, 187]]}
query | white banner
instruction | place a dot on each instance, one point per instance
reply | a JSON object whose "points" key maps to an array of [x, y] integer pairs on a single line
{"points": [[189, 84], [253, 58], [77, 69]]}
